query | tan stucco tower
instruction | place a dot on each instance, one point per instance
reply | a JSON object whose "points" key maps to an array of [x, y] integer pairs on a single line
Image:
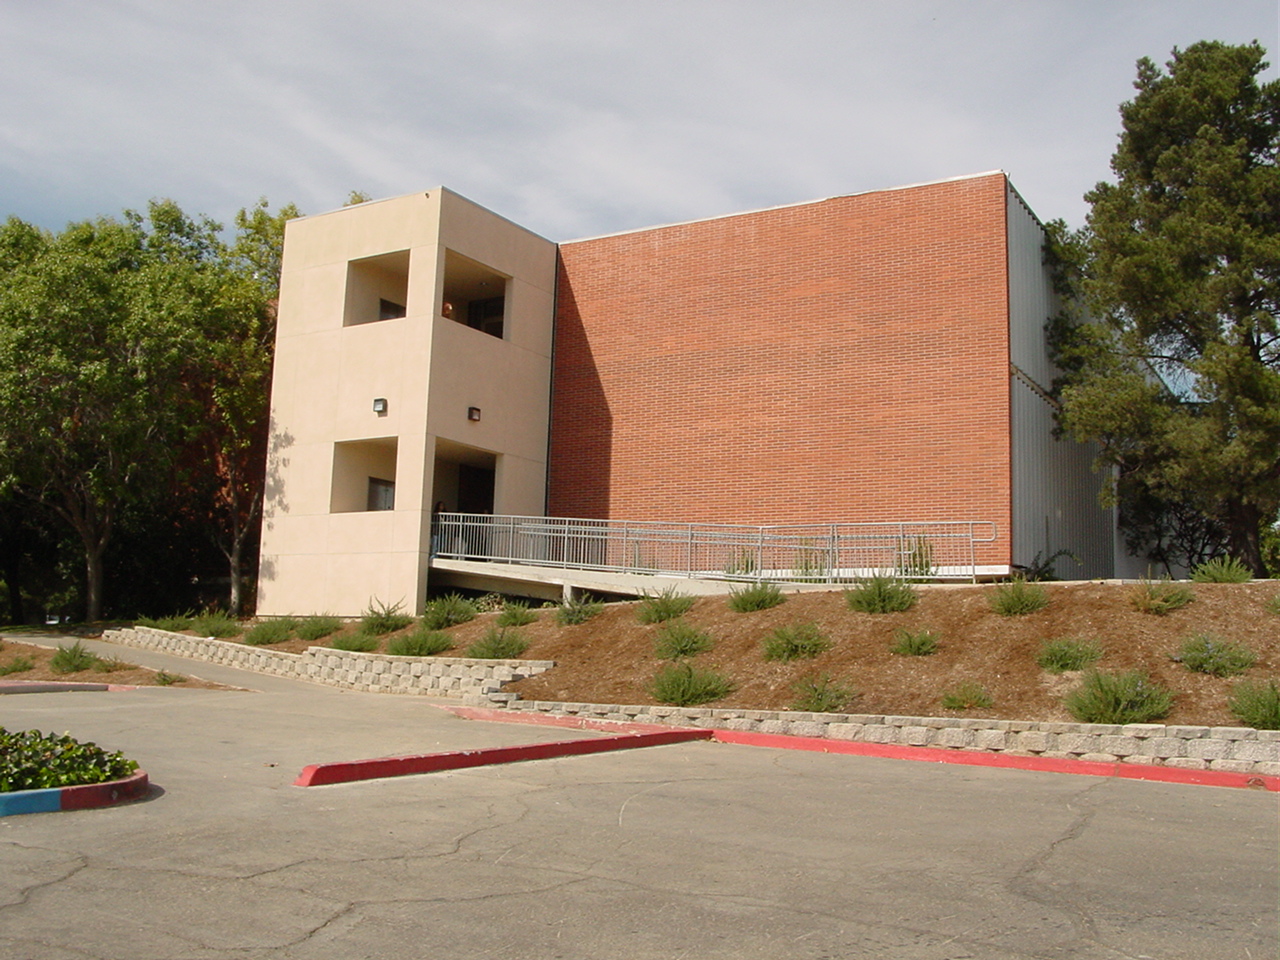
{"points": [[413, 365]]}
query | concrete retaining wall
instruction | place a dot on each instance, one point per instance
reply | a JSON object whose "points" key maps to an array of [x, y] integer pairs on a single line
{"points": [[473, 680]]}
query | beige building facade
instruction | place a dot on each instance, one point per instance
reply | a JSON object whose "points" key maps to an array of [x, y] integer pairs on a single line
{"points": [[412, 368]]}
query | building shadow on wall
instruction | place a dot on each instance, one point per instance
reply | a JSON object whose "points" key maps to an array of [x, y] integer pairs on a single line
{"points": [[581, 457], [274, 502]]}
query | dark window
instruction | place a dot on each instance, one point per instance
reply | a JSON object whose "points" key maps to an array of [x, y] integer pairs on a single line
{"points": [[486, 315], [390, 310], [382, 494]]}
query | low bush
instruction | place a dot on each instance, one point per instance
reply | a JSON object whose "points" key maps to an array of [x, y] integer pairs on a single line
{"points": [[1066, 653], [880, 594], [1130, 697], [678, 639], [1256, 704], [312, 629], [1221, 570], [217, 625], [914, 643], [1273, 605], [966, 696], [111, 665], [421, 643], [660, 607], [357, 642], [683, 685], [516, 613], [795, 641], [821, 694], [72, 659], [270, 631], [489, 603], [574, 612], [755, 596], [1018, 598], [165, 679], [381, 618], [19, 664], [31, 760], [498, 643], [174, 624], [447, 611], [1160, 597], [1205, 653]]}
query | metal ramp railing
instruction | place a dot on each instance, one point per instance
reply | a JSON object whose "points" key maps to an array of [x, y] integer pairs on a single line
{"points": [[793, 553]]}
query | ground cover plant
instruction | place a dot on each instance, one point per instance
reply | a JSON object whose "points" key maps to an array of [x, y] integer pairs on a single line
{"points": [[1160, 597], [1129, 697], [576, 611], [1205, 653], [1256, 704], [270, 631], [1018, 597], [217, 625], [914, 643], [72, 659], [795, 641], [31, 760], [756, 596], [516, 613], [19, 664], [881, 594], [684, 685], [822, 694], [317, 628], [381, 618], [174, 624], [421, 643], [966, 695], [356, 642], [1068, 653], [499, 643], [447, 611], [660, 607], [1221, 570], [678, 639]]}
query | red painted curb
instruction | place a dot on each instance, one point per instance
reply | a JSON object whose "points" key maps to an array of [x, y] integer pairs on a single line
{"points": [[90, 795], [1123, 771], [322, 774]]}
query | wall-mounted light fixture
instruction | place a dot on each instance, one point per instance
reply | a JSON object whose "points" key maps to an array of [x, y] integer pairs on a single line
{"points": [[380, 406], [473, 413]]}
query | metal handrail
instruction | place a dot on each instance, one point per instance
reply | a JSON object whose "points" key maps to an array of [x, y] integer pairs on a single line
{"points": [[792, 553]]}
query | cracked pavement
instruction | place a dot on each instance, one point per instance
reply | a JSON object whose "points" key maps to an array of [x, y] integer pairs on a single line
{"points": [[697, 850]]}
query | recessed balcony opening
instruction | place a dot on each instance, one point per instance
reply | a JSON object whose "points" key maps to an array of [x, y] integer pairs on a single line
{"points": [[464, 478], [364, 476], [474, 295], [377, 289]]}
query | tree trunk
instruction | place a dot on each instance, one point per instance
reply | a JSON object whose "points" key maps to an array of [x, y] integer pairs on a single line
{"points": [[237, 578], [1244, 535], [93, 582], [13, 583]]}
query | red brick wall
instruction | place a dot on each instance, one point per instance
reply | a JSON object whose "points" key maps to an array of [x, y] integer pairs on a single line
{"points": [[843, 360]]}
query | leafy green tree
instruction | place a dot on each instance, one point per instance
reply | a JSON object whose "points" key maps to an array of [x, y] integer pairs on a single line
{"points": [[1177, 371]]}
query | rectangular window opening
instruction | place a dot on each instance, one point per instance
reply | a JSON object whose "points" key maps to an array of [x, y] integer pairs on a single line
{"points": [[474, 295], [377, 289]]}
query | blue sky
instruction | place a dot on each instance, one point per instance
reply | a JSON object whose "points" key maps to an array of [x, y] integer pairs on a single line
{"points": [[571, 117]]}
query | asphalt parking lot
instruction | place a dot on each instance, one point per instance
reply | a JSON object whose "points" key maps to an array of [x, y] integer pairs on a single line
{"points": [[698, 850]]}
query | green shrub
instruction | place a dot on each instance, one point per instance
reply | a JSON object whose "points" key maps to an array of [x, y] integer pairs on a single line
{"points": [[166, 679], [756, 596], [1018, 598], [577, 611], [1130, 697], [421, 643], [31, 760], [1257, 704], [667, 605], [1221, 570], [498, 643], [111, 665], [966, 696], [683, 685], [880, 594], [821, 694], [18, 664], [270, 631], [312, 629], [72, 659], [1205, 653], [381, 618], [174, 624], [1066, 653], [447, 611], [357, 642], [795, 641], [917, 643], [1273, 605], [489, 603], [1160, 597], [217, 625], [516, 613], [678, 639]]}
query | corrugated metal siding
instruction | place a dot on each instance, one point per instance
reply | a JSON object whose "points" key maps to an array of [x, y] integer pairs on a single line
{"points": [[1055, 491]]}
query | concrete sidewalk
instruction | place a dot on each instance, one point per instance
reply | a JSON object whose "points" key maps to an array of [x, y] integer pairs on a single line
{"points": [[696, 850]]}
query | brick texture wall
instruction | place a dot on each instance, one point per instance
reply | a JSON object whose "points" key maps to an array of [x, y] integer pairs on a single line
{"points": [[845, 360]]}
